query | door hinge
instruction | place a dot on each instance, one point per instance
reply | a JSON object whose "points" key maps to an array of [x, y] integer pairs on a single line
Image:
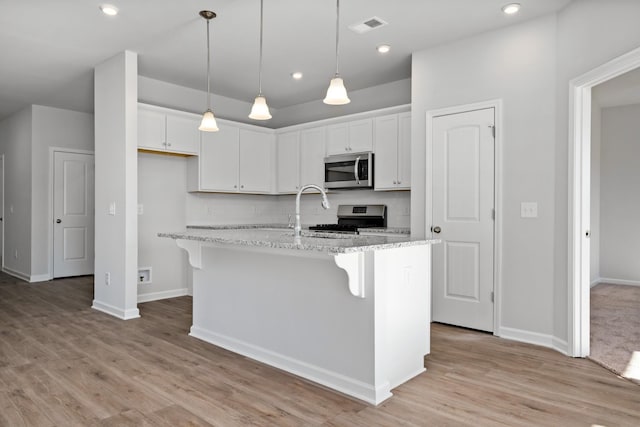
{"points": [[492, 296], [493, 214], [493, 130]]}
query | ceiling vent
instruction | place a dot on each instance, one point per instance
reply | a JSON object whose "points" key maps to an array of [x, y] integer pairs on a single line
{"points": [[367, 25]]}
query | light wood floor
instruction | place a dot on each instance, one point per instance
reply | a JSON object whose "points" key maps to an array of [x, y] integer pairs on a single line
{"points": [[62, 363]]}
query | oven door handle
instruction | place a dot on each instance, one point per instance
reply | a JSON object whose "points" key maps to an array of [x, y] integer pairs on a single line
{"points": [[355, 170]]}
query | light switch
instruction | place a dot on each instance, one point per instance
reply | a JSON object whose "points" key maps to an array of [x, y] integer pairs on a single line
{"points": [[112, 208], [528, 210]]}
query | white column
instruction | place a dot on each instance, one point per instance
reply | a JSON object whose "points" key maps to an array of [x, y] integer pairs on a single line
{"points": [[116, 196]]}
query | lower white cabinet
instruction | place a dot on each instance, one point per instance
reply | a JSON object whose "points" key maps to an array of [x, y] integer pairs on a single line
{"points": [[300, 161], [234, 160], [168, 131], [393, 152]]}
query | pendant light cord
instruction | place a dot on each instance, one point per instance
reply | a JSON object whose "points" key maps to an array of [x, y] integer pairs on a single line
{"points": [[260, 68], [337, 33], [208, 69]]}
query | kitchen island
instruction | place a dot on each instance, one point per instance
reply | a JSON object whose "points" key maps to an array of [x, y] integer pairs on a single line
{"points": [[349, 312]]}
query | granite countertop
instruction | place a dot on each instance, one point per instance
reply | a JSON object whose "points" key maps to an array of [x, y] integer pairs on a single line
{"points": [[271, 236], [389, 230]]}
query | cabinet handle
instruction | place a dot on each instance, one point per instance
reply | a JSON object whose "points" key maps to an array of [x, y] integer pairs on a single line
{"points": [[242, 186], [399, 182], [168, 144], [394, 183], [235, 186]]}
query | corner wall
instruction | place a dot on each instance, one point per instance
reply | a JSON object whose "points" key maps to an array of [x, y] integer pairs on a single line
{"points": [[517, 65], [620, 199], [15, 144]]}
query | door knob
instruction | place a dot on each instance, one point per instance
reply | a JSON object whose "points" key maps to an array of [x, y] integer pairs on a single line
{"points": [[58, 221], [436, 229]]}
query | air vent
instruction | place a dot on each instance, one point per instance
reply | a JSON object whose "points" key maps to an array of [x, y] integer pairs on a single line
{"points": [[367, 25]]}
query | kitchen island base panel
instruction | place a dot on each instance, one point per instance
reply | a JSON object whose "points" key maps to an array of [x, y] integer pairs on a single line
{"points": [[297, 313]]}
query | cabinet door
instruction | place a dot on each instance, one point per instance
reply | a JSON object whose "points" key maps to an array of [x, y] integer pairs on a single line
{"points": [[256, 160], [219, 160], [183, 135], [151, 130], [312, 151], [361, 135], [288, 162], [386, 158], [338, 139], [404, 151]]}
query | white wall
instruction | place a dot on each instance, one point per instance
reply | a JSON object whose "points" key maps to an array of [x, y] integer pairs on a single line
{"points": [[596, 115], [516, 64], [620, 198], [52, 127], [162, 194], [15, 144], [590, 33]]}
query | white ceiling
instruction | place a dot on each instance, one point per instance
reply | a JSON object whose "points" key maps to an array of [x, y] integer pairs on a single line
{"points": [[48, 49]]}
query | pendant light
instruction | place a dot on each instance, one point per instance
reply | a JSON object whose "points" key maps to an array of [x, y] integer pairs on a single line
{"points": [[208, 123], [337, 93], [260, 109]]}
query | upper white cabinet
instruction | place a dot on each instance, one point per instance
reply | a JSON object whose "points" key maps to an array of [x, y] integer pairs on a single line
{"points": [[300, 159], [355, 136], [168, 131], [234, 159], [393, 152]]}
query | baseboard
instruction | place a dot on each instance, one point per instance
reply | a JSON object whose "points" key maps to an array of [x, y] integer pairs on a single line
{"points": [[333, 380], [39, 278], [155, 296], [528, 337], [619, 281], [16, 274], [560, 345], [115, 311], [596, 282]]}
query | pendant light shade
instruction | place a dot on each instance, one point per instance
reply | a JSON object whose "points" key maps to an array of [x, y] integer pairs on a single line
{"points": [[260, 109], [208, 123], [337, 93]]}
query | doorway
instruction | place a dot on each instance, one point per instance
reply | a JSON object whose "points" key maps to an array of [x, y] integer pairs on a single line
{"points": [[2, 211], [579, 267], [463, 151], [73, 214]]}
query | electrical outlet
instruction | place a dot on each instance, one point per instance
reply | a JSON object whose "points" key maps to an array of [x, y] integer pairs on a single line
{"points": [[107, 279], [528, 210], [112, 208], [140, 209]]}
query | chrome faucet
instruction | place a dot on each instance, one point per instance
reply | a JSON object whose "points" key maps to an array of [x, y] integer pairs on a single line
{"points": [[297, 229]]}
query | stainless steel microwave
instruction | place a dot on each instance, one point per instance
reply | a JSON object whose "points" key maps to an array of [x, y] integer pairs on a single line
{"points": [[349, 171]]}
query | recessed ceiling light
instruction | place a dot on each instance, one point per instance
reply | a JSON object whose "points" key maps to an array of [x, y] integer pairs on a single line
{"points": [[511, 8], [383, 48], [297, 75], [109, 9]]}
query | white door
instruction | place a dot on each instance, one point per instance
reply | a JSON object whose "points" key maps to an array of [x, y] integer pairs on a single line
{"points": [[73, 210], [463, 203]]}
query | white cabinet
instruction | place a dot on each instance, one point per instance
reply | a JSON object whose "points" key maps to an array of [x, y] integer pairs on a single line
{"points": [[300, 159], [234, 159], [355, 136], [168, 131], [393, 152], [288, 161]]}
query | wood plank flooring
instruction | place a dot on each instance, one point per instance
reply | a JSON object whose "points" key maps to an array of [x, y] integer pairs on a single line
{"points": [[64, 364]]}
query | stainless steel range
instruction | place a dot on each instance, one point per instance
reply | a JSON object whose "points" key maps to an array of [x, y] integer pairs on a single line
{"points": [[353, 217]]}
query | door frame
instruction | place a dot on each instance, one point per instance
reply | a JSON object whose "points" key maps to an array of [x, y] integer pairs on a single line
{"points": [[52, 151], [579, 201], [497, 190]]}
